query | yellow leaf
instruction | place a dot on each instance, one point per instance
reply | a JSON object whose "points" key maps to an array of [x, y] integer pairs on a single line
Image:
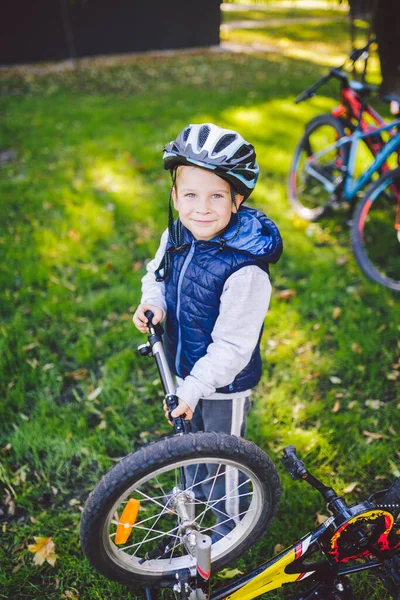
{"points": [[321, 518], [286, 294], [349, 488], [337, 311], [44, 550]]}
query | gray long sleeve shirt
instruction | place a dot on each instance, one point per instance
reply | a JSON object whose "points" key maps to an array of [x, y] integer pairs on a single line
{"points": [[244, 304]]}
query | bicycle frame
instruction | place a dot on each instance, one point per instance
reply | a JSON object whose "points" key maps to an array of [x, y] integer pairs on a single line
{"points": [[289, 567], [353, 186]]}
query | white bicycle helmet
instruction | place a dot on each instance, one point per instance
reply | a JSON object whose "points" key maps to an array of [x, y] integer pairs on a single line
{"points": [[222, 151]]}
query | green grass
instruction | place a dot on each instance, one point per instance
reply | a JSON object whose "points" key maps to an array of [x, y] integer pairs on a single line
{"points": [[284, 13], [82, 208]]}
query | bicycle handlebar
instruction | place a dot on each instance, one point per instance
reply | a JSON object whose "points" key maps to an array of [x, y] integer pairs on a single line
{"points": [[335, 72], [155, 348], [297, 470]]}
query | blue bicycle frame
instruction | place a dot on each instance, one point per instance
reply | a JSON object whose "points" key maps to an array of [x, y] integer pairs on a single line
{"points": [[353, 186]]}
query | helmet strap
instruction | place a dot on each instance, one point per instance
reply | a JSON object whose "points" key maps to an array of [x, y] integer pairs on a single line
{"points": [[222, 240], [175, 229]]}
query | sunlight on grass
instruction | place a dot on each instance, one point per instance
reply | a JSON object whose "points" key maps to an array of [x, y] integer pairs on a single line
{"points": [[83, 204]]}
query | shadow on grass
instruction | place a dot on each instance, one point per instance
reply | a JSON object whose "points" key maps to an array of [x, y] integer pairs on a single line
{"points": [[84, 205]]}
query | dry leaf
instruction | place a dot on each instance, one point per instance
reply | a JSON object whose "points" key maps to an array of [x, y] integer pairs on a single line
{"points": [[356, 348], [102, 425], [279, 548], [286, 294], [374, 436], [336, 407], [32, 362], [229, 573], [70, 593], [321, 518], [375, 404], [44, 550], [96, 392], [335, 380], [341, 260], [78, 374], [29, 347], [337, 311], [349, 488]]}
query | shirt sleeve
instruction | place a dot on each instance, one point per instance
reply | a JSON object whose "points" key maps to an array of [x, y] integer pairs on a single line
{"points": [[244, 304], [153, 292]]}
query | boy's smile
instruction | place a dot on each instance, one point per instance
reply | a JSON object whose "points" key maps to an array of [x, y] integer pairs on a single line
{"points": [[203, 201]]}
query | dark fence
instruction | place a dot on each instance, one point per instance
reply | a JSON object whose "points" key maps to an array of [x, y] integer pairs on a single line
{"points": [[38, 30]]}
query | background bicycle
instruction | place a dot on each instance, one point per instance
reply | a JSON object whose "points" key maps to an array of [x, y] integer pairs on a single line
{"points": [[322, 176]]}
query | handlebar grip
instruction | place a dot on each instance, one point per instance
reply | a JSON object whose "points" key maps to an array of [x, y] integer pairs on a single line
{"points": [[149, 316], [172, 403], [304, 96], [293, 464]]}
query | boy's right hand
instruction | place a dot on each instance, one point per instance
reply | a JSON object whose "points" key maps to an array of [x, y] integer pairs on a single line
{"points": [[140, 320]]}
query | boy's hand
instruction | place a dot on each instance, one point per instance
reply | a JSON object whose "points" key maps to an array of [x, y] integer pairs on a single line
{"points": [[182, 410], [139, 319]]}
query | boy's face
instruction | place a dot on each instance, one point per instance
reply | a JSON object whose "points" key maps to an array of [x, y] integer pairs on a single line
{"points": [[203, 201]]}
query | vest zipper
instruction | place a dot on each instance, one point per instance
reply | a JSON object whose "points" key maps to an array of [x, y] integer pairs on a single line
{"points": [[178, 305]]}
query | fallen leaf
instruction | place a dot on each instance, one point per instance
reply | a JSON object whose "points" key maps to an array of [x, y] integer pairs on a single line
{"points": [[321, 518], [102, 425], [374, 436], [349, 488], [44, 550], [341, 260], [335, 380], [29, 347], [286, 294], [337, 311], [33, 363], [96, 392], [70, 593], [336, 407], [229, 573], [78, 374], [356, 348], [375, 404], [279, 548]]}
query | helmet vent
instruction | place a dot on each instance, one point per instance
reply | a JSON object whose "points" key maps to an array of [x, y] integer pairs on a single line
{"points": [[224, 142], [243, 151], [203, 135], [186, 134]]}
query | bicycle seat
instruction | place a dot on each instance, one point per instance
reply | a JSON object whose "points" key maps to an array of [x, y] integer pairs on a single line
{"points": [[362, 88]]}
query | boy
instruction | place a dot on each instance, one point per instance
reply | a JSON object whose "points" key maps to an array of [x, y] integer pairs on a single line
{"points": [[210, 278]]}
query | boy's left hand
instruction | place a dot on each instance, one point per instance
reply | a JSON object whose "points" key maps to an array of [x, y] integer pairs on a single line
{"points": [[182, 410]]}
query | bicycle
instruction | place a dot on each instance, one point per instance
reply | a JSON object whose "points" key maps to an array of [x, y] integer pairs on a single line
{"points": [[145, 525], [322, 175]]}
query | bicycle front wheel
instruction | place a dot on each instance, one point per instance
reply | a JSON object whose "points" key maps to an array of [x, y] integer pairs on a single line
{"points": [[307, 187], [135, 522], [375, 239]]}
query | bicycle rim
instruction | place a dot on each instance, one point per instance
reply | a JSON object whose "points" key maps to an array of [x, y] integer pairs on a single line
{"points": [[159, 522], [376, 241], [307, 192], [137, 522]]}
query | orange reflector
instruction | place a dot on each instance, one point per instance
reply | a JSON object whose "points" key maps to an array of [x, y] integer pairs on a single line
{"points": [[127, 521]]}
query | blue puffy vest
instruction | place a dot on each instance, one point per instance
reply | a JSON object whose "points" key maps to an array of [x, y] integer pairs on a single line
{"points": [[194, 284]]}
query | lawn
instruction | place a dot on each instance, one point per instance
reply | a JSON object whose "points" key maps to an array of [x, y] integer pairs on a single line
{"points": [[83, 203]]}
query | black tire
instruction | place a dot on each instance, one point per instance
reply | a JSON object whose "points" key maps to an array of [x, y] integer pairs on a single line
{"points": [[307, 195], [376, 243], [147, 473]]}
